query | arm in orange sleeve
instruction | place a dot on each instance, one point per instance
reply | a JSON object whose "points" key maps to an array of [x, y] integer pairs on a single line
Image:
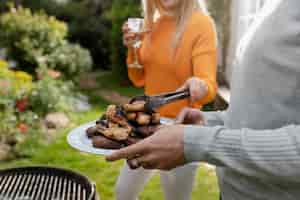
{"points": [[204, 58], [137, 76]]}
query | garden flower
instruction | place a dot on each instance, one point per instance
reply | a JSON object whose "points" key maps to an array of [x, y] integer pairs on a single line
{"points": [[3, 64], [51, 73], [54, 74], [23, 128], [22, 105], [23, 81], [4, 87], [23, 76]]}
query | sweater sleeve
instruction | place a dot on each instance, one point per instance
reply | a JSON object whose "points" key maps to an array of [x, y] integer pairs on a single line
{"points": [[137, 76], [204, 58], [214, 118], [267, 154]]}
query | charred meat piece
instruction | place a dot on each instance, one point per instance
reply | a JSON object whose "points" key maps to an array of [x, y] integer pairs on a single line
{"points": [[105, 143], [115, 115], [115, 133], [143, 119], [123, 125], [155, 118], [102, 118], [131, 116], [103, 123], [91, 132], [112, 125], [137, 106]]}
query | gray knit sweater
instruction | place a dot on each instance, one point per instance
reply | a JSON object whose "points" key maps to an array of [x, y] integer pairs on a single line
{"points": [[256, 143]]}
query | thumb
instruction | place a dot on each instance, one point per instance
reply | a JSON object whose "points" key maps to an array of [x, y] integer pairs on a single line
{"points": [[181, 116], [185, 86]]}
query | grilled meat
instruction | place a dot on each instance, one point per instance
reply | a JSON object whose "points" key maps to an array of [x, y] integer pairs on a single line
{"points": [[143, 119], [105, 143], [92, 131], [123, 125], [137, 106], [155, 118], [115, 133]]}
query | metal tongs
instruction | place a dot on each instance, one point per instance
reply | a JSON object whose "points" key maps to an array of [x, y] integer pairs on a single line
{"points": [[155, 102]]}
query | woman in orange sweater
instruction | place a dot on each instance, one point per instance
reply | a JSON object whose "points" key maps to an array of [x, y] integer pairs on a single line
{"points": [[180, 46]]}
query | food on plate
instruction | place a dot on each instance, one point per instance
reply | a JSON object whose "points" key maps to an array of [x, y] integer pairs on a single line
{"points": [[123, 125], [131, 116], [143, 119], [103, 142], [115, 133], [92, 131], [155, 118], [137, 106], [115, 115]]}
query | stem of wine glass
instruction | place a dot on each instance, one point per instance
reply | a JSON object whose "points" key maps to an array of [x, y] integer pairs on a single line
{"points": [[136, 59]]}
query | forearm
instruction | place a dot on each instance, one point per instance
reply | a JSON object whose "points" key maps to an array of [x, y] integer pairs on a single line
{"points": [[136, 75], [133, 54], [205, 70], [268, 154]]}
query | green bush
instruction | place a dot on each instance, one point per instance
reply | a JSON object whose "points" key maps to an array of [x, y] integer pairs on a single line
{"points": [[86, 21], [70, 59], [30, 37], [34, 39], [24, 103], [50, 95], [96, 25], [120, 11]]}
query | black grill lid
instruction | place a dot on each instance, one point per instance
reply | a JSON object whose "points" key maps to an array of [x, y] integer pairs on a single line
{"points": [[44, 183]]}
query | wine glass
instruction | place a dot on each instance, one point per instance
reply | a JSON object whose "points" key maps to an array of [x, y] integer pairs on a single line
{"points": [[136, 25]]}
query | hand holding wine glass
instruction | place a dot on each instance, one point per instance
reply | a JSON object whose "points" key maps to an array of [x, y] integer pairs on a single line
{"points": [[133, 31]]}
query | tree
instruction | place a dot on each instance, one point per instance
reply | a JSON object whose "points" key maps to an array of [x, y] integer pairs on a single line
{"points": [[220, 11]]}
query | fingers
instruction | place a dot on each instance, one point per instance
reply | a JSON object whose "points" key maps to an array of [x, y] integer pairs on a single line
{"points": [[148, 162], [128, 38], [181, 116], [144, 32], [185, 86], [190, 116], [133, 164], [125, 28], [127, 153], [197, 89]]}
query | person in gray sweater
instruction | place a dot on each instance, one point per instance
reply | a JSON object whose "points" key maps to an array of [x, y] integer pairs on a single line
{"points": [[255, 144]]}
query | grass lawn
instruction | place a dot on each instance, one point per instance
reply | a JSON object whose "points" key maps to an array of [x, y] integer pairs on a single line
{"points": [[104, 174]]}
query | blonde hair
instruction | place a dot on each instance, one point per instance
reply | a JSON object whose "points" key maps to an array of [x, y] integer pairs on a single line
{"points": [[184, 11]]}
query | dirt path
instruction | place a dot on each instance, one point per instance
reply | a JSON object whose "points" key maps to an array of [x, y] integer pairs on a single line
{"points": [[113, 97]]}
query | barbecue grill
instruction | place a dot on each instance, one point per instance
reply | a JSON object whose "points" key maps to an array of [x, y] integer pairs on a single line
{"points": [[43, 183]]}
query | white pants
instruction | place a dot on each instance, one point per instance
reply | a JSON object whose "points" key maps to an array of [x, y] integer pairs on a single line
{"points": [[177, 184]]}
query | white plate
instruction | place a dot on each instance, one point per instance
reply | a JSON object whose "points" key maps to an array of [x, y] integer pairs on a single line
{"points": [[77, 139]]}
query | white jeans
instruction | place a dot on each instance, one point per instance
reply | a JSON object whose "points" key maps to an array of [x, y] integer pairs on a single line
{"points": [[177, 184]]}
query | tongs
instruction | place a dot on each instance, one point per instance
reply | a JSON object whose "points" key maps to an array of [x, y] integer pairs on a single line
{"points": [[155, 102]]}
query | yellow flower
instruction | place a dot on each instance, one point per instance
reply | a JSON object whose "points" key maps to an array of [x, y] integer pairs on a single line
{"points": [[6, 73], [3, 64], [23, 82], [23, 76]]}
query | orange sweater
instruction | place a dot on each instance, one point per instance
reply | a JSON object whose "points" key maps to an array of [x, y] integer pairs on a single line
{"points": [[163, 71]]}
